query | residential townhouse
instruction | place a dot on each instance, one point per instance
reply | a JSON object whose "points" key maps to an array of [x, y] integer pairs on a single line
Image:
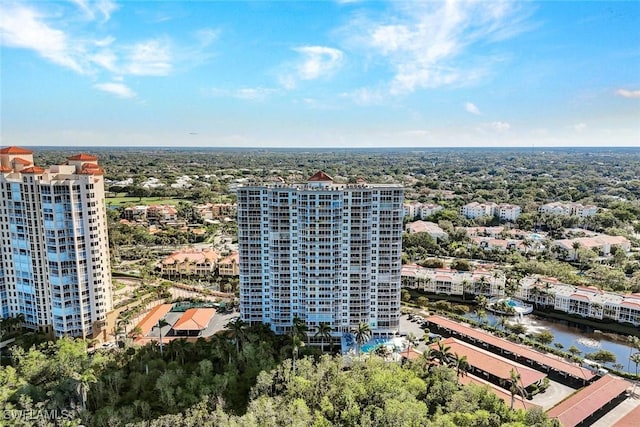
{"points": [[601, 243], [583, 301], [504, 211], [135, 213], [162, 213], [568, 208], [453, 282], [190, 262], [210, 211], [426, 227], [229, 265], [420, 210]]}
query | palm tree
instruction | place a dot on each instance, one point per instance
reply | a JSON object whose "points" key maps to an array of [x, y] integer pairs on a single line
{"points": [[515, 386], [575, 246], [161, 324], [237, 328], [635, 358], [502, 322], [412, 339], [362, 334], [443, 353], [300, 327], [323, 330], [634, 342], [296, 344], [462, 366], [136, 332]]}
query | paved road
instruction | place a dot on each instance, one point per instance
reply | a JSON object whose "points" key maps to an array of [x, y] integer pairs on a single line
{"points": [[618, 412], [554, 394]]}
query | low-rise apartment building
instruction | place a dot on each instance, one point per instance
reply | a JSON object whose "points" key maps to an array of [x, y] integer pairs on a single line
{"points": [[190, 262], [421, 210], [583, 301], [453, 282], [504, 211], [229, 265], [216, 210], [426, 227], [601, 243], [568, 209]]}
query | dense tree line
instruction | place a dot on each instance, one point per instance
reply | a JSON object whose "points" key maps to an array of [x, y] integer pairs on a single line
{"points": [[246, 377]]}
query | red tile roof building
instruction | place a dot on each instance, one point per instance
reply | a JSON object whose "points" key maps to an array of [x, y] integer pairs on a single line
{"points": [[505, 395], [556, 368], [194, 319], [495, 368], [190, 262], [631, 419], [582, 407]]}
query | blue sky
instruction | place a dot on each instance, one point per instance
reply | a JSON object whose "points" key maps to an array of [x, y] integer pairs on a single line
{"points": [[320, 73]]}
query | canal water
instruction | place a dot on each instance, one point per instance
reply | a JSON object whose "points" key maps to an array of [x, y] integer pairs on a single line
{"points": [[586, 339]]}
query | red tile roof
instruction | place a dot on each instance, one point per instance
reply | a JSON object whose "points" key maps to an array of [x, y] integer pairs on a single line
{"points": [[92, 171], [522, 351], [320, 176], [492, 364], [195, 319], [152, 318], [15, 150], [518, 403], [575, 409], [5, 169], [33, 169], [233, 258], [411, 354], [21, 161], [632, 419], [83, 157]]}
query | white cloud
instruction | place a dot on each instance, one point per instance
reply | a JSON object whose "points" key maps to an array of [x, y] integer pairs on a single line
{"points": [[21, 27], [319, 61], [471, 108], [500, 126], [365, 96], [579, 127], [316, 62], [625, 93], [118, 89], [425, 42], [249, 94], [91, 7], [206, 36], [150, 58]]}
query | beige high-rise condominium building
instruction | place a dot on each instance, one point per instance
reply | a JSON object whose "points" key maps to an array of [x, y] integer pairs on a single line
{"points": [[321, 251], [54, 256]]}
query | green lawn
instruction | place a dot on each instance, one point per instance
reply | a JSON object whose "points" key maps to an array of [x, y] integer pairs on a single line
{"points": [[124, 200]]}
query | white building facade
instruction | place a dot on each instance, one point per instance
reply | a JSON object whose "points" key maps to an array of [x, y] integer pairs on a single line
{"points": [[568, 209], [54, 257], [505, 211], [321, 252]]}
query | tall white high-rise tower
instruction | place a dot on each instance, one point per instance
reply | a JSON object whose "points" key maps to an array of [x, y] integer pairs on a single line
{"points": [[54, 252], [321, 251]]}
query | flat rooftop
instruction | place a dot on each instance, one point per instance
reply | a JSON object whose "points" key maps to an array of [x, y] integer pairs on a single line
{"points": [[582, 404], [517, 349]]}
